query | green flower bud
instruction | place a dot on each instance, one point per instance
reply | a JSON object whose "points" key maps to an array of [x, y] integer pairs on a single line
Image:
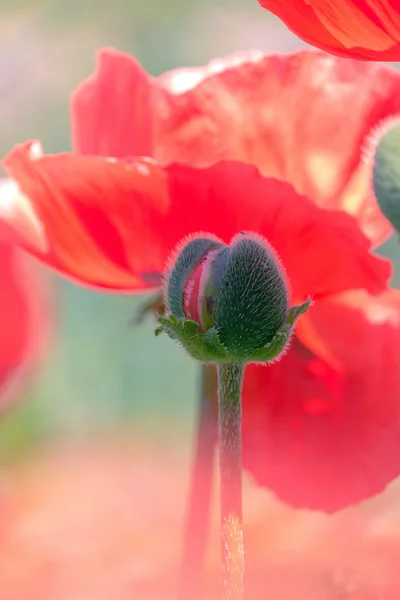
{"points": [[386, 174], [228, 302]]}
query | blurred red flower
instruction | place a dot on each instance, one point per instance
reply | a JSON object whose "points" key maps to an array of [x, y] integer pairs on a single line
{"points": [[305, 119], [23, 324], [362, 29]]}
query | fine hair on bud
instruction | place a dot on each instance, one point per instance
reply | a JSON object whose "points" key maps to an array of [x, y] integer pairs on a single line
{"points": [[253, 295], [240, 290]]}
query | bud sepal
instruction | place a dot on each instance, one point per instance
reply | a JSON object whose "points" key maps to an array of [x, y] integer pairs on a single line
{"points": [[207, 347]]}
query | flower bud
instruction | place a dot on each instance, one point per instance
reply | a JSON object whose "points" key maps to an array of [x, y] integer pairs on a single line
{"points": [[239, 290], [386, 175]]}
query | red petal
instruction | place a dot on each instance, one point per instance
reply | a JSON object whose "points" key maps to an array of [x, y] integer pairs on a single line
{"points": [[95, 215], [111, 110], [305, 118], [114, 224], [362, 29], [322, 438], [22, 323]]}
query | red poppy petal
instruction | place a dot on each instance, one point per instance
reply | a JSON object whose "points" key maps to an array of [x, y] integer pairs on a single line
{"points": [[253, 108], [111, 110], [22, 320], [361, 29], [86, 207], [114, 223], [322, 438]]}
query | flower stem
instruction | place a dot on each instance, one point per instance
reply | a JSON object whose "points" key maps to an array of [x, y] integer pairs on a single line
{"points": [[230, 379], [198, 515]]}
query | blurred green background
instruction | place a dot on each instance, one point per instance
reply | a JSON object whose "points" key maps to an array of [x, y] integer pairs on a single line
{"points": [[102, 373]]}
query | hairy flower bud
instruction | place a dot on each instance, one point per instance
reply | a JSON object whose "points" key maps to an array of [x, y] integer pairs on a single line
{"points": [[239, 289], [386, 174], [235, 296]]}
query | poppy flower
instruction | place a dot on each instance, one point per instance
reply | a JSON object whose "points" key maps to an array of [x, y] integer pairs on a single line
{"points": [[112, 222], [361, 29], [307, 118], [22, 317]]}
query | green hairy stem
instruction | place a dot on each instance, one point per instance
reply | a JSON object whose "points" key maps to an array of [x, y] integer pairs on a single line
{"points": [[230, 379]]}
